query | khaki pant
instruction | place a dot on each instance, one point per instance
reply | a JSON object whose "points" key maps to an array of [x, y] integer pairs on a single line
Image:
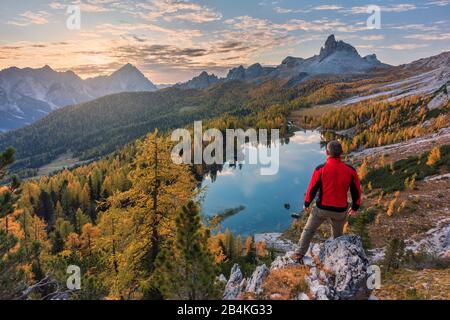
{"points": [[316, 218]]}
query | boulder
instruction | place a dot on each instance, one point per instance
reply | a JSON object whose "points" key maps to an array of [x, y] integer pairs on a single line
{"points": [[341, 274], [345, 259], [222, 278], [282, 262]]}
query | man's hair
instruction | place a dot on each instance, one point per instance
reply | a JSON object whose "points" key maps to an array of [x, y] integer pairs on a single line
{"points": [[334, 149]]}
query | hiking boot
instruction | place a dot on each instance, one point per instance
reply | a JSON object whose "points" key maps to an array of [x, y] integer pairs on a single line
{"points": [[297, 257]]}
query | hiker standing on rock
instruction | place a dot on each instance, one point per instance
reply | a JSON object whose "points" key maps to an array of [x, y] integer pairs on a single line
{"points": [[330, 182]]}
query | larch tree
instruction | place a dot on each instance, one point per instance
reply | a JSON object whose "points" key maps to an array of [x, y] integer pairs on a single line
{"points": [[185, 266], [145, 216], [435, 156], [159, 188]]}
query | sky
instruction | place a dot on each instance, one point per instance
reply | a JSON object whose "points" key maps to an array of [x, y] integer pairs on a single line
{"points": [[173, 40]]}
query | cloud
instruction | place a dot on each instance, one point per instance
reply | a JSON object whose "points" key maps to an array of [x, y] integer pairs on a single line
{"points": [[373, 37], [429, 37], [91, 6], [284, 10], [175, 10], [328, 7], [392, 8], [29, 18], [195, 17], [404, 46], [399, 7], [441, 3]]}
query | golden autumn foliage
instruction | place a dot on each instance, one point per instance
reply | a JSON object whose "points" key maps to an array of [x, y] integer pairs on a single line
{"points": [[363, 170], [286, 283], [141, 219], [435, 156]]}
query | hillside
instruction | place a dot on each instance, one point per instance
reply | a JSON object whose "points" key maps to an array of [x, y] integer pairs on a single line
{"points": [[101, 126]]}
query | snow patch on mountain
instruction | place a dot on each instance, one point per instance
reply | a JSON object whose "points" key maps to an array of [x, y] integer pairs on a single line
{"points": [[435, 241], [27, 95]]}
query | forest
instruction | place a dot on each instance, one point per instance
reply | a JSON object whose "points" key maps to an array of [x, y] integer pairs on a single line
{"points": [[129, 221], [376, 123]]}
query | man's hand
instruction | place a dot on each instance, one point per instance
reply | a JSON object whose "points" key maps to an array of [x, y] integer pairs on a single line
{"points": [[306, 210], [352, 213]]}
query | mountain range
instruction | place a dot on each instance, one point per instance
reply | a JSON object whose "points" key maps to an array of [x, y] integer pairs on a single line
{"points": [[27, 95], [335, 58]]}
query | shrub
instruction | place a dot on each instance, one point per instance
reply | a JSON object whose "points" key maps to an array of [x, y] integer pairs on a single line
{"points": [[286, 283]]}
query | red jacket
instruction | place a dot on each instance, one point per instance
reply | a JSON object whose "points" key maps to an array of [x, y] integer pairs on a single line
{"points": [[332, 181]]}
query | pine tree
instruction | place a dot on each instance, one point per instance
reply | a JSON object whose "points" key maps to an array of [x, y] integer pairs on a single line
{"points": [[57, 243], [185, 269], [45, 209], [394, 254], [12, 277]]}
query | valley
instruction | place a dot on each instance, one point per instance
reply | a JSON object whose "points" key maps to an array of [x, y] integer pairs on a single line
{"points": [[124, 211]]}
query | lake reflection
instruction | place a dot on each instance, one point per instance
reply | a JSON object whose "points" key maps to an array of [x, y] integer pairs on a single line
{"points": [[264, 197]]}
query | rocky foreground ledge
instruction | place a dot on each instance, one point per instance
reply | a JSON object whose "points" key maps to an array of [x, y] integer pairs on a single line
{"points": [[334, 270]]}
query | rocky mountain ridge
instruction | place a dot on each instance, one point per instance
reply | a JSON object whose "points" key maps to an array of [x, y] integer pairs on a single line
{"points": [[335, 58], [26, 95]]}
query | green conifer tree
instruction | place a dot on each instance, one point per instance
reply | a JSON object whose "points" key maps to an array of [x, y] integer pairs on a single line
{"points": [[12, 278], [185, 268]]}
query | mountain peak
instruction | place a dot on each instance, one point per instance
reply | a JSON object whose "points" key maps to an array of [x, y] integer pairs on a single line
{"points": [[128, 68], [203, 80], [331, 41], [47, 68], [331, 46]]}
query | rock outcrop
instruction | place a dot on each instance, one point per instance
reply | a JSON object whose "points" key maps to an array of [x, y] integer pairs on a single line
{"points": [[332, 46], [203, 80], [345, 258], [235, 285], [439, 101], [337, 271], [254, 283]]}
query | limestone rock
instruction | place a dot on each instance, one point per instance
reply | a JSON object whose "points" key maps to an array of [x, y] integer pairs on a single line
{"points": [[346, 260], [254, 283]]}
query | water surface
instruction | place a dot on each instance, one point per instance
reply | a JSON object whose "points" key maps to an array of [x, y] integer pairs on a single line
{"points": [[264, 197]]}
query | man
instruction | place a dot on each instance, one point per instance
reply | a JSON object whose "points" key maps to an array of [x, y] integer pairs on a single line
{"points": [[330, 182]]}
